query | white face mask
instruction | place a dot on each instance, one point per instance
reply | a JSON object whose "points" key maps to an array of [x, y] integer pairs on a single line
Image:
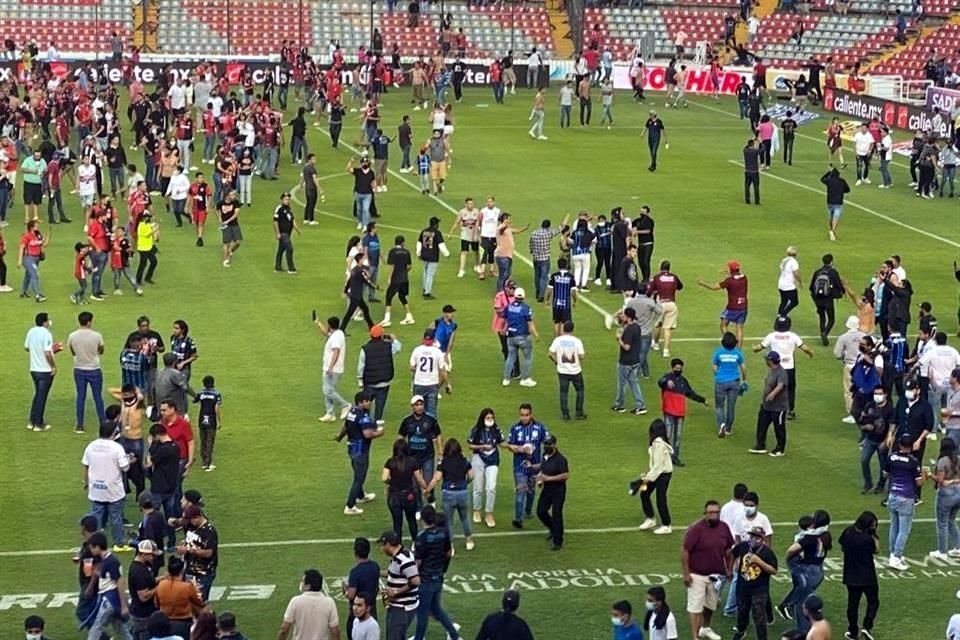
{"points": [[489, 422], [617, 622], [910, 394], [31, 636], [750, 511], [650, 605], [879, 397]]}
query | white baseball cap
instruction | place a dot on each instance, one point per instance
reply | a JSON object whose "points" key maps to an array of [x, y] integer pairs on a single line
{"points": [[519, 293]]}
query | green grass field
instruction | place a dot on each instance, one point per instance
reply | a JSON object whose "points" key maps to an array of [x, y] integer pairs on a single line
{"points": [[277, 494]]}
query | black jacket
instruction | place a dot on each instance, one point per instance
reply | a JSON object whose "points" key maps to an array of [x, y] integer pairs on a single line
{"points": [[898, 307], [836, 186]]}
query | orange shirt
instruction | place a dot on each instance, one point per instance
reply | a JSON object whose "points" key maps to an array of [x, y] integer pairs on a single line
{"points": [[177, 598]]}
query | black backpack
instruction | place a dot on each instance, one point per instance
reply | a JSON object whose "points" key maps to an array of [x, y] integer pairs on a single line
{"points": [[823, 284]]}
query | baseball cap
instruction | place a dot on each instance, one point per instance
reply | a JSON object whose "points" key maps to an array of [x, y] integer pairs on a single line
{"points": [[146, 499], [376, 331], [415, 399], [910, 384], [814, 606], [191, 512], [757, 531], [551, 440], [148, 547], [853, 323], [448, 308], [428, 334], [194, 497], [389, 537], [733, 265], [905, 440], [926, 306], [519, 293], [773, 356]]}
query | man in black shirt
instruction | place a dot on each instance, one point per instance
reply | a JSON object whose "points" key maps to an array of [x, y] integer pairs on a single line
{"points": [[643, 227], [620, 238], [398, 283], [358, 279], [789, 127], [457, 77], [143, 583], [429, 247], [335, 121], [627, 271], [653, 130], [552, 477], [755, 563], [826, 287], [152, 344], [875, 421], [311, 189], [422, 432], [228, 212], [433, 552], [363, 181], [505, 624], [284, 224], [152, 527], [751, 171], [405, 139], [86, 561], [163, 458], [200, 549]]}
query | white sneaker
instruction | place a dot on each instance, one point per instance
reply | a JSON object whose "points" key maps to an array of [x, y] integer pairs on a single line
{"points": [[666, 353], [896, 563], [833, 236], [608, 321], [662, 530], [528, 382], [327, 417], [541, 137], [368, 497], [117, 292], [385, 322], [859, 182], [866, 181], [708, 633], [849, 420], [6, 289], [649, 523], [506, 382], [460, 273], [937, 555], [655, 345], [352, 511], [470, 545], [345, 411], [597, 282], [407, 320]]}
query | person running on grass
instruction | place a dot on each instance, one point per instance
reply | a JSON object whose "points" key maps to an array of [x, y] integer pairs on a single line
{"points": [[736, 310], [537, 116]]}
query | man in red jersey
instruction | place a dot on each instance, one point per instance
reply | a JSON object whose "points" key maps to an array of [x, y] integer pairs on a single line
{"points": [[663, 288], [199, 197], [184, 134], [736, 310], [180, 431]]}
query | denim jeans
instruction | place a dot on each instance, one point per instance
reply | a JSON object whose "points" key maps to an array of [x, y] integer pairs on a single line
{"points": [[42, 381], [885, 172], [331, 397], [298, 149], [566, 380], [869, 448], [93, 378], [4, 203], [564, 115], [901, 521], [627, 377], [363, 201], [55, 200], [204, 582], [217, 187], [725, 396], [31, 275], [484, 484], [517, 344], [525, 488], [124, 272], [110, 513], [379, 395], [268, 161], [948, 504], [730, 606], [427, 469], [541, 273], [360, 463], [171, 509], [209, 145], [429, 273], [106, 616], [99, 260], [457, 502], [744, 109], [284, 250], [504, 269], [405, 156], [806, 578], [646, 341], [948, 175], [430, 606], [675, 432]]}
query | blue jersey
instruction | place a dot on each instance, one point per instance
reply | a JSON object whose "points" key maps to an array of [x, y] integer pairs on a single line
{"points": [[533, 434], [133, 368], [371, 244], [896, 352], [381, 148], [517, 314], [581, 239], [727, 362], [423, 164], [442, 332], [561, 283], [604, 233]]}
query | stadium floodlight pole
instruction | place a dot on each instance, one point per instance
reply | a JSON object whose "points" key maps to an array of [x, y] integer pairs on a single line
{"points": [[370, 42], [299, 26]]}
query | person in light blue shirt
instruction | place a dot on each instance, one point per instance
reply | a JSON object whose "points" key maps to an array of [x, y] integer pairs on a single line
{"points": [[624, 626], [525, 440], [520, 326], [729, 382]]}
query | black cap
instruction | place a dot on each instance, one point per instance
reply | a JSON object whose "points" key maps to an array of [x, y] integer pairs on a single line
{"points": [[146, 499], [905, 440], [448, 308], [389, 537], [194, 497], [511, 600], [910, 384], [551, 439]]}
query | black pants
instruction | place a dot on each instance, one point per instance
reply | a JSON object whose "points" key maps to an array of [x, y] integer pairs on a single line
{"points": [[335, 128], [503, 349], [604, 264], [208, 439], [778, 419], [792, 388], [925, 185], [586, 108], [789, 300], [147, 258], [357, 303], [825, 315], [284, 248], [914, 163], [750, 178], [550, 509], [766, 146], [653, 145], [310, 207], [3, 272], [854, 593], [644, 255], [400, 508], [565, 381], [659, 486], [615, 284], [752, 603], [458, 90], [788, 149]]}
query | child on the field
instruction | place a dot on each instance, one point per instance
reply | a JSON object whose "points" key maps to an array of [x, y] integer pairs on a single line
{"points": [[81, 268], [120, 252], [209, 421], [423, 170]]}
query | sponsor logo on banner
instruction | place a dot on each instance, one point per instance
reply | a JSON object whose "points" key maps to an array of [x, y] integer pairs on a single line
{"points": [[893, 114], [947, 99], [779, 112], [698, 79]]}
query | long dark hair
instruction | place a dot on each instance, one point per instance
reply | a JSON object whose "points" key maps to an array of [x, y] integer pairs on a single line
{"points": [[205, 628], [452, 449], [657, 616], [351, 243], [821, 518], [948, 449], [658, 429], [479, 425], [866, 522]]}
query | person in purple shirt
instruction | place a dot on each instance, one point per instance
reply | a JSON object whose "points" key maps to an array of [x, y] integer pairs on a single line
{"points": [[905, 476], [624, 626]]}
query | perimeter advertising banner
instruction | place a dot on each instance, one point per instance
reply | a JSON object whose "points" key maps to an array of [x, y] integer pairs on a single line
{"points": [[698, 78], [947, 99], [894, 114]]}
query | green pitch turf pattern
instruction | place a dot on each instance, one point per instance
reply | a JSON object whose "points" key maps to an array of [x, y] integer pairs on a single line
{"points": [[278, 491]]}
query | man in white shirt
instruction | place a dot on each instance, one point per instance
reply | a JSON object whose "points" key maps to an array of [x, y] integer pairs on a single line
{"points": [[86, 184], [788, 281], [41, 347], [753, 26], [566, 103], [334, 356], [489, 223], [951, 413], [566, 351], [177, 191], [886, 157], [104, 463], [365, 626], [534, 61], [468, 222], [429, 367], [86, 346], [178, 97], [937, 364], [785, 342], [863, 145], [313, 614], [733, 509], [847, 349]]}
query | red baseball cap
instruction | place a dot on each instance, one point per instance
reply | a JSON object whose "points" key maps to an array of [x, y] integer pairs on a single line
{"points": [[733, 265]]}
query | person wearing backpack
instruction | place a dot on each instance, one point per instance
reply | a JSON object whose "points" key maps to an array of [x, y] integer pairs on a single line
{"points": [[825, 288]]}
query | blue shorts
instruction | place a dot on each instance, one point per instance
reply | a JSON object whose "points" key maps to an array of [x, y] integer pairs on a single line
{"points": [[734, 316], [834, 211]]}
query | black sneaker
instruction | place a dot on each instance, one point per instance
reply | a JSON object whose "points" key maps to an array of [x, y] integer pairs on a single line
{"points": [[199, 242], [791, 415], [867, 633], [784, 612], [517, 524], [581, 416], [639, 412], [618, 409]]}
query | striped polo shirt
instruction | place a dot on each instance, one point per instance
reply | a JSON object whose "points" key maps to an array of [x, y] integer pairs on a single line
{"points": [[401, 570]]}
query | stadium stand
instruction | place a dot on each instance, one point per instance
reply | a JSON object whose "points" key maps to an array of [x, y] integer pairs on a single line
{"points": [[73, 25], [908, 62]]}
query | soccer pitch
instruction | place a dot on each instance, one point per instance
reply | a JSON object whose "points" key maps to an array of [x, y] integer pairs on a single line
{"points": [[278, 492]]}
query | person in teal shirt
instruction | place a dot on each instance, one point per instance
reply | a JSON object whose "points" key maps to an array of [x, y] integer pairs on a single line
{"points": [[33, 169], [729, 382], [624, 626]]}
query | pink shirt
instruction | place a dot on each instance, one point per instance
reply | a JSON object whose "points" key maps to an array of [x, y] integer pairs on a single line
{"points": [[500, 302], [765, 130]]}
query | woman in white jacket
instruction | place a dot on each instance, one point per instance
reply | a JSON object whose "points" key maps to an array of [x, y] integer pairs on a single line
{"points": [[657, 479]]}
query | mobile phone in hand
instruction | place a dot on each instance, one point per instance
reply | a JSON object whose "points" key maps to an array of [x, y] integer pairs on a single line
{"points": [[314, 315]]}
